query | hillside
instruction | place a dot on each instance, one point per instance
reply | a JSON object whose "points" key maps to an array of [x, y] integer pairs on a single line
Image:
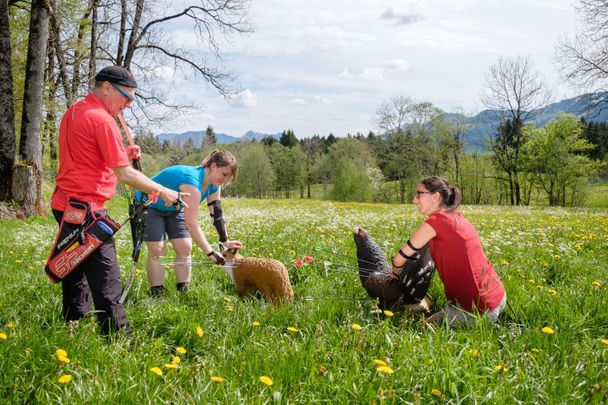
{"points": [[479, 127]]}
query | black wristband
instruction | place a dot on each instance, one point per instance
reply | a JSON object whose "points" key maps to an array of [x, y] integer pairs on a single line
{"points": [[210, 253], [406, 256], [412, 246]]}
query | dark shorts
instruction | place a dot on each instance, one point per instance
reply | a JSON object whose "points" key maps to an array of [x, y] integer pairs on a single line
{"points": [[159, 223]]}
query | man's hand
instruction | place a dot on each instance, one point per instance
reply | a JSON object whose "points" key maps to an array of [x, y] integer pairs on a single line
{"points": [[216, 258], [171, 197], [133, 152]]}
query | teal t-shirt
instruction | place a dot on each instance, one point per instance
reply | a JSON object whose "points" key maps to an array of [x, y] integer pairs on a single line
{"points": [[174, 176]]}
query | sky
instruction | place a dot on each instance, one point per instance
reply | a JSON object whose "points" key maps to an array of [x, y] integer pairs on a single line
{"points": [[325, 66]]}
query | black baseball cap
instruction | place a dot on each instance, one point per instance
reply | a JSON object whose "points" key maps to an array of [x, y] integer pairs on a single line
{"points": [[116, 75]]}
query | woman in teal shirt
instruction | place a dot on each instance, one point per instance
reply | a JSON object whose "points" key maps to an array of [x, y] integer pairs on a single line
{"points": [[180, 224]]}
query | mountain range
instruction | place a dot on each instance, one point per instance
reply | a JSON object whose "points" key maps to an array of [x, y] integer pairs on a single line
{"points": [[479, 127]]}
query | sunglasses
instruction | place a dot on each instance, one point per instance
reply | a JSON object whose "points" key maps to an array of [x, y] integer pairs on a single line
{"points": [[419, 193], [126, 95]]}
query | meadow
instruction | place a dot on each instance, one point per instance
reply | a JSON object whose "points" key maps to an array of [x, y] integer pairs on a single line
{"points": [[209, 346]]}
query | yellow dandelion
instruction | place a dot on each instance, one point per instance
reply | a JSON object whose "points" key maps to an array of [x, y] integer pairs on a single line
{"points": [[63, 359], [199, 331], [535, 350], [217, 379], [3, 336], [547, 330], [61, 353], [17, 261], [596, 283], [429, 362], [255, 324], [436, 392], [65, 378], [552, 291], [266, 380], [356, 326], [605, 341], [531, 281], [230, 308], [180, 350], [379, 362], [292, 329], [501, 368], [227, 299], [170, 365], [322, 369], [176, 360], [167, 266], [157, 371], [11, 325], [474, 352], [384, 369], [388, 313]]}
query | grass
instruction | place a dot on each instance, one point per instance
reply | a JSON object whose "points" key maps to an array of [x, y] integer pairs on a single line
{"points": [[552, 261]]}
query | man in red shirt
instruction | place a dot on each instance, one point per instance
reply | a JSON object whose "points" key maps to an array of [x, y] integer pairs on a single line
{"points": [[91, 160]]}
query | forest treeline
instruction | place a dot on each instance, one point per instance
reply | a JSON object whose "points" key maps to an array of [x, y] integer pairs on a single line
{"points": [[555, 162]]}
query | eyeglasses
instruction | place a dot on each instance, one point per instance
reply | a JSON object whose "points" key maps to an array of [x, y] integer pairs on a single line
{"points": [[419, 193], [126, 95]]}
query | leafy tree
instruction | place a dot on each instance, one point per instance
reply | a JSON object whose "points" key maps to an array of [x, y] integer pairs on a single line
{"points": [[350, 160], [553, 153], [256, 175], [268, 140], [313, 150], [288, 165], [516, 93]]}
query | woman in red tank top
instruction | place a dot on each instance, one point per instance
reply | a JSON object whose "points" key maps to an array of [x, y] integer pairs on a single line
{"points": [[470, 282]]}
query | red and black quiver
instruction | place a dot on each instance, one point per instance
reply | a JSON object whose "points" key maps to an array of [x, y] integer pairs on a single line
{"points": [[81, 232]]}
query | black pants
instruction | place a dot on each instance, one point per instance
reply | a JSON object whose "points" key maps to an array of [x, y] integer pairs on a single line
{"points": [[96, 280]]}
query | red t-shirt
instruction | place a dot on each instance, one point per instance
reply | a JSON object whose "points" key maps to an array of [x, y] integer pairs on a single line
{"points": [[467, 275], [90, 145]]}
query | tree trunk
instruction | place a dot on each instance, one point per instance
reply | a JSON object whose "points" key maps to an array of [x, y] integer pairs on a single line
{"points": [[30, 146], [27, 182], [7, 107]]}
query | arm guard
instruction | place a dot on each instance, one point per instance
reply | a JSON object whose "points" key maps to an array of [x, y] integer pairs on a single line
{"points": [[215, 211]]}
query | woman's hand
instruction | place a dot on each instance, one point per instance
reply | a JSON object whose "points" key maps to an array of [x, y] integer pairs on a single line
{"points": [[216, 258], [395, 273], [232, 244]]}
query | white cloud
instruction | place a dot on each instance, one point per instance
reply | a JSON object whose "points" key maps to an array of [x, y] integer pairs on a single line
{"points": [[323, 100], [298, 101], [373, 73], [345, 74], [244, 99], [396, 64]]}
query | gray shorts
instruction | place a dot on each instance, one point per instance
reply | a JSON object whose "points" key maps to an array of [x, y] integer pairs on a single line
{"points": [[159, 223], [453, 314]]}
